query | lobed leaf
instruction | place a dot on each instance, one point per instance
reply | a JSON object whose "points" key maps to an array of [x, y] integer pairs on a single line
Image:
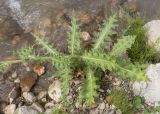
{"points": [[74, 37], [99, 60], [106, 31], [122, 45]]}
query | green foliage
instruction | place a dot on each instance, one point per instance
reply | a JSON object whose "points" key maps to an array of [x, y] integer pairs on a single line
{"points": [[140, 51], [25, 52], [57, 110], [74, 37], [121, 100], [90, 87], [138, 103], [99, 60], [89, 60], [119, 49], [106, 31]]}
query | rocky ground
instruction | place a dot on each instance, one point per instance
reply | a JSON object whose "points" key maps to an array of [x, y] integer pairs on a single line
{"points": [[27, 88]]}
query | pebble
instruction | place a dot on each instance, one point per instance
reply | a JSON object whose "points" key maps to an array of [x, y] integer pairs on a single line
{"points": [[28, 81], [44, 100], [54, 91], [29, 97], [101, 106], [25, 110], [10, 109], [48, 111], [17, 80], [49, 105], [39, 69], [41, 95], [37, 107], [14, 75], [85, 36]]}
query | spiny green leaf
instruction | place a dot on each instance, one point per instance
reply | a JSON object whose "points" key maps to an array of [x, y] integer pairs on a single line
{"points": [[74, 37], [105, 32], [97, 59], [89, 89], [122, 45], [25, 53], [65, 75], [126, 69], [45, 45]]}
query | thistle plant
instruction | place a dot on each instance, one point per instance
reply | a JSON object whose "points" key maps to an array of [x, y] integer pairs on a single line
{"points": [[91, 61]]}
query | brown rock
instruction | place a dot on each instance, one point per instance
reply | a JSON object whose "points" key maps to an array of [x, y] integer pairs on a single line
{"points": [[39, 69], [28, 81]]}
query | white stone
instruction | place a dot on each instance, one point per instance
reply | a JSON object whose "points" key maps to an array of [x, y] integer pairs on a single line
{"points": [[42, 94], [25, 110], [29, 97], [14, 75], [54, 90], [37, 107], [151, 89], [10, 109], [102, 106], [153, 32]]}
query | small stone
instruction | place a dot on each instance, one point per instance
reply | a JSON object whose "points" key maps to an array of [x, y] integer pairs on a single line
{"points": [[118, 112], [48, 111], [44, 100], [25, 110], [49, 105], [85, 36], [101, 106], [39, 69], [17, 80], [54, 90], [28, 69], [29, 97], [42, 94], [10, 109], [14, 75], [15, 92], [16, 39], [27, 82], [37, 107], [116, 82], [108, 99]]}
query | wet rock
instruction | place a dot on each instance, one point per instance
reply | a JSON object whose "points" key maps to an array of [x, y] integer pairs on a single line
{"points": [[5, 89], [28, 81], [54, 90], [37, 107], [153, 33], [25, 110], [151, 90], [15, 92], [29, 97], [10, 109], [41, 95]]}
